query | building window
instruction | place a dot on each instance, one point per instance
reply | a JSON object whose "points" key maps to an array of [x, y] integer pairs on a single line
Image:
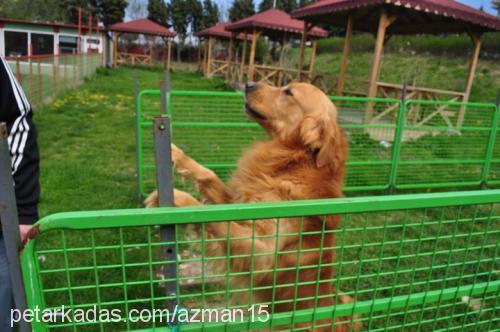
{"points": [[16, 43], [93, 41], [68, 45], [93, 45], [42, 44]]}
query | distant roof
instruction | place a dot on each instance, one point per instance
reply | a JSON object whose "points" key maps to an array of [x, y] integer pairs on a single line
{"points": [[219, 30], [46, 23], [414, 16], [274, 21], [143, 26]]}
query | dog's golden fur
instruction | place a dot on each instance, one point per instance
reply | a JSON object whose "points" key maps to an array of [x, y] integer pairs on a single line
{"points": [[304, 159]]}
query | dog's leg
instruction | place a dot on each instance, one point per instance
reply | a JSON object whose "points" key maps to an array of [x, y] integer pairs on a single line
{"points": [[181, 198], [243, 242], [208, 184]]}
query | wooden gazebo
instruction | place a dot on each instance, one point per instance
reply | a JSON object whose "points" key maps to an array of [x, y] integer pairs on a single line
{"points": [[150, 30], [385, 18], [209, 65], [278, 26]]}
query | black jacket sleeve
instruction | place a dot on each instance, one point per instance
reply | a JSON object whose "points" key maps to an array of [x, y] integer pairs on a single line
{"points": [[15, 110]]}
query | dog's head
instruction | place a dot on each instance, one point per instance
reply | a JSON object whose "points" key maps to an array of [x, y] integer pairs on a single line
{"points": [[297, 113]]}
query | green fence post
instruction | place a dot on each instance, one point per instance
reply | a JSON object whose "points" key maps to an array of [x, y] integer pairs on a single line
{"points": [[491, 143], [140, 160], [137, 128], [169, 105], [396, 147], [164, 90]]}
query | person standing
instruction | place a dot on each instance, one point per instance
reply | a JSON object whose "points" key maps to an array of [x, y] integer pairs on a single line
{"points": [[15, 111]]}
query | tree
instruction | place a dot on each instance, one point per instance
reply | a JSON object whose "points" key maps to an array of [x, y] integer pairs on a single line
{"points": [[185, 15], [158, 12], [71, 9], [195, 15], [284, 5], [211, 15], [496, 5], [178, 18], [110, 11], [106, 11], [241, 9], [44, 10]]}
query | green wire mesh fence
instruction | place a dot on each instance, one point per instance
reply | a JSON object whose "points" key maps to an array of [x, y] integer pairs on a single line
{"points": [[215, 138], [407, 145], [419, 262], [43, 78]]}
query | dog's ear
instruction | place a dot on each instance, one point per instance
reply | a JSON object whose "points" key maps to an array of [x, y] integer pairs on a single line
{"points": [[322, 135]]}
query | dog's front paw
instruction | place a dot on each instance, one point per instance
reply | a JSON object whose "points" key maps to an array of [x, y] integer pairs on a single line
{"points": [[152, 201], [177, 154]]}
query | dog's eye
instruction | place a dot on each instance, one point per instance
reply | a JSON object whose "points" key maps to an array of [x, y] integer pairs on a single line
{"points": [[288, 92]]}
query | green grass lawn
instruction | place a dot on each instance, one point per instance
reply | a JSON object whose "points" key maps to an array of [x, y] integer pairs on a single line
{"points": [[425, 71], [86, 139]]}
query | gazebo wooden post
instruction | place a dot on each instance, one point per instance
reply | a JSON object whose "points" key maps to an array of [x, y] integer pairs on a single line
{"points": [[345, 56], [312, 59], [281, 74], [115, 49], [200, 61], [209, 56], [151, 41], [165, 55], [231, 47], [205, 55], [169, 54], [243, 56], [303, 40], [476, 49], [282, 51], [251, 63], [384, 22], [231, 56]]}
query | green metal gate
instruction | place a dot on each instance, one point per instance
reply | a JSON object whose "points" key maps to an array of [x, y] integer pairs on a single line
{"points": [[420, 262], [393, 152]]}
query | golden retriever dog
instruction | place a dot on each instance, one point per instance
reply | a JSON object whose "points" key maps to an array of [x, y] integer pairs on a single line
{"points": [[303, 159]]}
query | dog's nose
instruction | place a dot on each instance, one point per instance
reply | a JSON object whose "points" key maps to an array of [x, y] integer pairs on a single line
{"points": [[250, 86]]}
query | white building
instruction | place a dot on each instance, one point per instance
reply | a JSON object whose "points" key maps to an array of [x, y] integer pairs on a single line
{"points": [[26, 38]]}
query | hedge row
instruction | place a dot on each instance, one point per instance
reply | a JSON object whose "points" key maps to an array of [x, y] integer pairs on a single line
{"points": [[447, 45]]}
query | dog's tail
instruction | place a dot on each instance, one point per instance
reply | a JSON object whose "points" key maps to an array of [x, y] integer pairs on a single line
{"points": [[152, 200]]}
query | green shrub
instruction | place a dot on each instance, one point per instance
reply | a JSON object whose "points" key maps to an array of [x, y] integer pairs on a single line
{"points": [[446, 45], [260, 50]]}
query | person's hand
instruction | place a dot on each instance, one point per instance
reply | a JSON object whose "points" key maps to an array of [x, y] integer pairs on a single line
{"points": [[24, 229]]}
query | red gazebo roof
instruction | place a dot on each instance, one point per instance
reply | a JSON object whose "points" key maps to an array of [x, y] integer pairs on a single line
{"points": [[274, 21], [431, 16], [219, 30], [142, 26]]}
